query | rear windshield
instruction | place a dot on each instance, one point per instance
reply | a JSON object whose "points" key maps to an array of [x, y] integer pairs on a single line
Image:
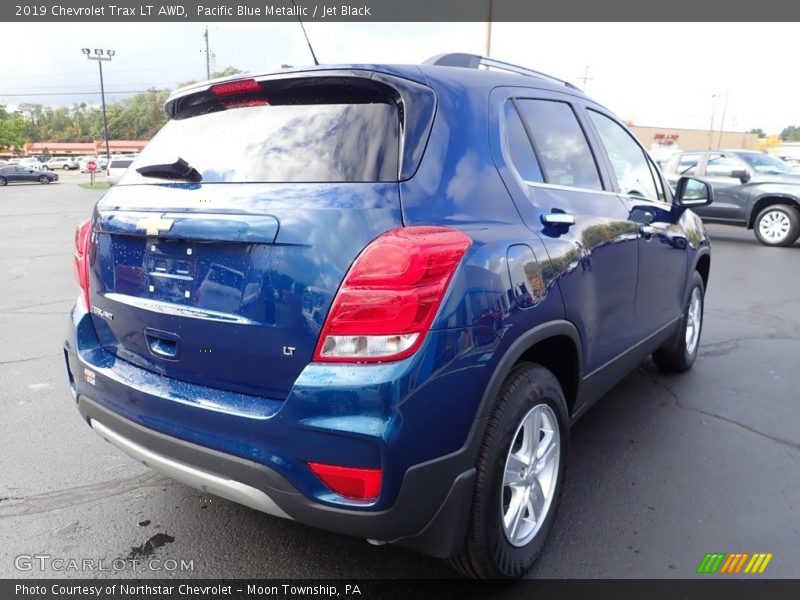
{"points": [[314, 142]]}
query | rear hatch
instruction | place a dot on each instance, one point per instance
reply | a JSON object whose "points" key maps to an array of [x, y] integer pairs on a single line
{"points": [[221, 270]]}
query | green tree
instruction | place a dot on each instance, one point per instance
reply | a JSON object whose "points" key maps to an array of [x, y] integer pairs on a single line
{"points": [[228, 71], [759, 132], [11, 132], [791, 134]]}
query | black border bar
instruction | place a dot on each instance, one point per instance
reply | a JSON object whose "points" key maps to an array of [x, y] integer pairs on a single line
{"points": [[396, 10], [713, 587]]}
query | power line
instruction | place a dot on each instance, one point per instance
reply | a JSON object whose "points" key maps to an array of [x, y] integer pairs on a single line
{"points": [[61, 73], [83, 93]]}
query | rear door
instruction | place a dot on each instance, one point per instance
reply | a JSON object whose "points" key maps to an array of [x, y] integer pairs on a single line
{"points": [[226, 281], [595, 259]]}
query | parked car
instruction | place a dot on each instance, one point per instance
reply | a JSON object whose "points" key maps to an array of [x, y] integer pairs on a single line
{"points": [[19, 172], [751, 189], [32, 163], [116, 168], [67, 163], [373, 299]]}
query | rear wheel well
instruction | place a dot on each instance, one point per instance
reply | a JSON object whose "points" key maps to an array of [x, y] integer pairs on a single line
{"points": [[762, 203], [560, 356], [704, 267]]}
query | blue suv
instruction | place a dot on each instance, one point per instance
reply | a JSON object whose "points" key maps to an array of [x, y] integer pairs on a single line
{"points": [[374, 298]]}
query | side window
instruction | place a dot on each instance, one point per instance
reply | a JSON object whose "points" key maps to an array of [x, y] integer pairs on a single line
{"points": [[560, 144], [630, 164], [519, 146], [720, 165], [688, 164]]}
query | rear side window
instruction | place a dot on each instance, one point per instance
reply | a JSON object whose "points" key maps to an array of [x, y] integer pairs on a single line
{"points": [[120, 164], [560, 144], [330, 134]]}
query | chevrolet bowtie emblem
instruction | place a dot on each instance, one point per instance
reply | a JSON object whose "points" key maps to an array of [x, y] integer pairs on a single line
{"points": [[154, 225]]}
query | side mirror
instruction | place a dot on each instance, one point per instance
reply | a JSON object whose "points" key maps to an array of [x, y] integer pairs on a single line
{"points": [[741, 175], [691, 192]]}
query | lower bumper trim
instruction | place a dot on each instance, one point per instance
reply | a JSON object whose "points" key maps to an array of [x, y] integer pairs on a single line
{"points": [[190, 475]]}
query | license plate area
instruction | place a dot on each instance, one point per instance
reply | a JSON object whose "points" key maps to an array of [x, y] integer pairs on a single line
{"points": [[170, 270]]}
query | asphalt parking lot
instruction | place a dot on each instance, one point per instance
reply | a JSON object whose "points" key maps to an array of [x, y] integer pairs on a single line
{"points": [[663, 470]]}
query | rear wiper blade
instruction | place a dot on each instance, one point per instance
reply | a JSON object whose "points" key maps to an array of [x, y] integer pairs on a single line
{"points": [[178, 170]]}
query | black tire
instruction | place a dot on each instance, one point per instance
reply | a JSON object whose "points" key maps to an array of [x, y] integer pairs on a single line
{"points": [[45, 168], [487, 552], [3, 181], [44, 179], [788, 215], [676, 356], [66, 167]]}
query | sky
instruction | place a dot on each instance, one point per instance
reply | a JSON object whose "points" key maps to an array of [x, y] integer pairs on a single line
{"points": [[655, 74]]}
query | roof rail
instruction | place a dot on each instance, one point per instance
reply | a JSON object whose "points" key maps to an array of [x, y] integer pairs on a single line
{"points": [[475, 61]]}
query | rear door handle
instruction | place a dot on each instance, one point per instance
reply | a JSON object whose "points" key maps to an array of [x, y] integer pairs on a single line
{"points": [[558, 218], [162, 344]]}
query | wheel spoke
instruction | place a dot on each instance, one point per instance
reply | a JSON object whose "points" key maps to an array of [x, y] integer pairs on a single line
{"points": [[514, 467], [516, 509], [536, 501], [546, 455], [530, 432]]}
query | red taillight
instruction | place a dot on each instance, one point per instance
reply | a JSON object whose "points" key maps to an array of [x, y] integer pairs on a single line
{"points": [[350, 482], [390, 295], [83, 236], [235, 87]]}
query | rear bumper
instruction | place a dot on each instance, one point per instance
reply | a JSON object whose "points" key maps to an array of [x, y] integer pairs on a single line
{"points": [[254, 451]]}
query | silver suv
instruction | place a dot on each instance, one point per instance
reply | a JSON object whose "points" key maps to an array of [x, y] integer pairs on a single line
{"points": [[67, 163]]}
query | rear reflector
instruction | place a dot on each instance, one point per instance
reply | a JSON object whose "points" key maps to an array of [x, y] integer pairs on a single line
{"points": [[349, 482], [235, 87], [83, 235], [391, 294]]}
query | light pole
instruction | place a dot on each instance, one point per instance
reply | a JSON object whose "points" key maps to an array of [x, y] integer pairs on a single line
{"points": [[711, 125], [99, 56]]}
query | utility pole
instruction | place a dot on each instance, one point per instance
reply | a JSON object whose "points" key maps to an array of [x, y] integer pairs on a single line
{"points": [[711, 125], [488, 51], [586, 78], [208, 56], [722, 123]]}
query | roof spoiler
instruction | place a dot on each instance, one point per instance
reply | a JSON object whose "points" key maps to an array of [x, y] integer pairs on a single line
{"points": [[475, 61]]}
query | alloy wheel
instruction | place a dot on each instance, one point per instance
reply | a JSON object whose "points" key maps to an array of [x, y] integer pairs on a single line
{"points": [[530, 474]]}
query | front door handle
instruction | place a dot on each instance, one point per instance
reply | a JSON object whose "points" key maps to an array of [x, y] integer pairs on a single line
{"points": [[558, 218]]}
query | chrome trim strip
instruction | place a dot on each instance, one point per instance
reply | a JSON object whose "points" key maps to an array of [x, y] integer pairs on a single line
{"points": [[191, 476], [569, 188], [177, 310]]}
